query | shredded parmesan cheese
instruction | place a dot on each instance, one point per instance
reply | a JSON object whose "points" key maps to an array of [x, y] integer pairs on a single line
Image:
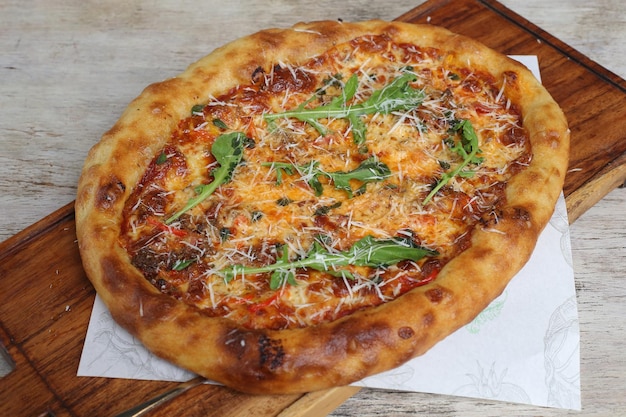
{"points": [[256, 215]]}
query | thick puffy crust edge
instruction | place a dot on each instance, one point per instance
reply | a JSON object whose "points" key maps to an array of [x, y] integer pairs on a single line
{"points": [[361, 344]]}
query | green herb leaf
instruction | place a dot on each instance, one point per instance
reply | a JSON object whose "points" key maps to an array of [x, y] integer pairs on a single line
{"points": [[332, 81], [162, 158], [220, 124], [466, 148], [197, 110], [324, 210], [279, 277], [368, 251], [444, 165], [228, 152], [225, 234], [468, 142], [370, 170], [281, 168], [395, 96], [180, 264], [256, 216]]}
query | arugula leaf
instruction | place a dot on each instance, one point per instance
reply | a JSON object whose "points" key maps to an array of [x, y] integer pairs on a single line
{"points": [[228, 152], [468, 142], [368, 251], [370, 170], [466, 148], [397, 95], [279, 277]]}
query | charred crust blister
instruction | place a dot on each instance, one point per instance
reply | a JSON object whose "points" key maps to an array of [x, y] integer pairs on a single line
{"points": [[109, 193], [406, 332], [428, 319], [271, 353], [435, 295], [257, 75], [520, 213]]}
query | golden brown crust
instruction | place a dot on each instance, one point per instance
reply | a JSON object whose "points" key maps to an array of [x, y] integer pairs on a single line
{"points": [[363, 343]]}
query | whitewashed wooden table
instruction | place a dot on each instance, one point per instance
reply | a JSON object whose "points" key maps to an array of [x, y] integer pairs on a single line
{"points": [[68, 69]]}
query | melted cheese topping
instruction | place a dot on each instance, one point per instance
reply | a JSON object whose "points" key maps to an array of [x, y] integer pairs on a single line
{"points": [[257, 215]]}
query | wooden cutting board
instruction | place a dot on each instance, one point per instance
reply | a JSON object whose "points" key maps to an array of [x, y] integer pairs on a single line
{"points": [[46, 300]]}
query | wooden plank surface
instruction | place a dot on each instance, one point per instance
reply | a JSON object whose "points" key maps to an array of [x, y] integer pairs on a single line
{"points": [[45, 299]]}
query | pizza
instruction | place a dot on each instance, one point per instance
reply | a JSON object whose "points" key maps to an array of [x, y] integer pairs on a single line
{"points": [[305, 207]]}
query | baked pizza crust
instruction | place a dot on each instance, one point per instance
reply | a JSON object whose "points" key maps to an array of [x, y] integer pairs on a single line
{"points": [[365, 342]]}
